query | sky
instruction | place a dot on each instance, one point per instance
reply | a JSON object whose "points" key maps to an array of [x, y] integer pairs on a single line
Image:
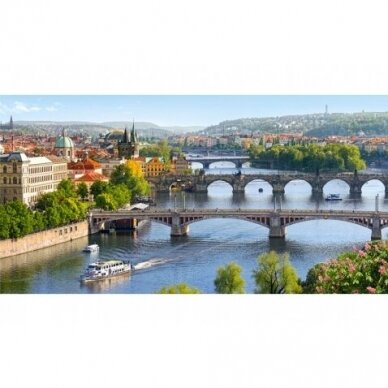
{"points": [[170, 110]]}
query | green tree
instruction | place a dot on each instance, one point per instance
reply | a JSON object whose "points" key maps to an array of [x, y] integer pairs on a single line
{"points": [[181, 288], [229, 280], [136, 185], [275, 275], [98, 187], [67, 187], [106, 201], [21, 219], [82, 190]]}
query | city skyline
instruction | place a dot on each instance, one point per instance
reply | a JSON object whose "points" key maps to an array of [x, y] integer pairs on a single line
{"points": [[178, 110]]}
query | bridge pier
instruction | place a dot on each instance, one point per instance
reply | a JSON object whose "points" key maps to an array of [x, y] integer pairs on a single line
{"points": [[177, 229], [278, 188], [198, 188], [376, 229], [238, 188], [355, 189], [276, 229]]}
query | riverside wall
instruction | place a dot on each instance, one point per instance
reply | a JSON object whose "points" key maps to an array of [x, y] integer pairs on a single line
{"points": [[47, 238]]}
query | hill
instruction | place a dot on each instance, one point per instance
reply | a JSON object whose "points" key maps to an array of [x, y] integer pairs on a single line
{"points": [[319, 125]]}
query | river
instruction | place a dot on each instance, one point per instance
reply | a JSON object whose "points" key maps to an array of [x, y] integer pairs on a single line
{"points": [[161, 260]]}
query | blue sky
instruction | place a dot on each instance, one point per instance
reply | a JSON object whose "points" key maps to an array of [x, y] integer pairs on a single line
{"points": [[177, 110]]}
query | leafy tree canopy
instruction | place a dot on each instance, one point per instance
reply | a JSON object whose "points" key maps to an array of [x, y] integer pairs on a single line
{"points": [[276, 275], [229, 280]]}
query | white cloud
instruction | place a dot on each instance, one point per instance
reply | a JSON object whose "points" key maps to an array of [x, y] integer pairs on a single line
{"points": [[22, 107]]}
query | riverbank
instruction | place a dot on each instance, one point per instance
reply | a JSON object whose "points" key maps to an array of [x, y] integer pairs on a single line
{"points": [[40, 240]]}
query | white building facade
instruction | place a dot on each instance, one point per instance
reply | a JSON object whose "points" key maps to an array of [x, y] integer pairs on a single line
{"points": [[26, 178]]}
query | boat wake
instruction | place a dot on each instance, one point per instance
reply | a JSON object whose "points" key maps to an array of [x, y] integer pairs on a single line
{"points": [[150, 263]]}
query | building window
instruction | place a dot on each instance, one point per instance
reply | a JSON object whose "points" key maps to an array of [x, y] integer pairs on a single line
{"points": [[14, 167], [5, 180], [5, 169], [15, 180]]}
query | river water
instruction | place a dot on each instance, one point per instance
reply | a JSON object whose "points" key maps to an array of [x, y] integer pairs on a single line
{"points": [[161, 260]]}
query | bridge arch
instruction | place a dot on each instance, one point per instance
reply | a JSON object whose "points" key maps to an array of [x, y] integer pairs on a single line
{"points": [[228, 184], [235, 164], [336, 182], [263, 221], [166, 221], [366, 223], [298, 180], [250, 180], [378, 183]]}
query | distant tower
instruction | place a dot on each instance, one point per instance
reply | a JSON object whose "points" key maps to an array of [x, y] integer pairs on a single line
{"points": [[129, 145], [64, 146], [11, 124], [326, 110]]}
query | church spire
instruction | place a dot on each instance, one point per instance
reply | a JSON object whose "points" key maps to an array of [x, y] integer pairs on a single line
{"points": [[10, 123], [125, 136], [133, 134]]}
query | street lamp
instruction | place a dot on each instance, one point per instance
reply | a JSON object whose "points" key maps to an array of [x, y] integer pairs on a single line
{"points": [[377, 203], [184, 200]]}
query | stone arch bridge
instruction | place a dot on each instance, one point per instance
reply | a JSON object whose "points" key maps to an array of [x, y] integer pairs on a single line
{"points": [[275, 220], [200, 183], [206, 161]]}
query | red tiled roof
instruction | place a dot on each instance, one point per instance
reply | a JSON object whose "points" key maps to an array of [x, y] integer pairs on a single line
{"points": [[92, 177]]}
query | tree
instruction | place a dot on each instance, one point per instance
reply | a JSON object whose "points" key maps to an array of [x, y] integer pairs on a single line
{"points": [[82, 190], [181, 288], [136, 185], [98, 187], [229, 280], [67, 187], [135, 168], [359, 272], [106, 201], [276, 275]]}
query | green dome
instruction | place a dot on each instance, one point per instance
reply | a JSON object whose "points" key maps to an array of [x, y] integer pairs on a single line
{"points": [[64, 142]]}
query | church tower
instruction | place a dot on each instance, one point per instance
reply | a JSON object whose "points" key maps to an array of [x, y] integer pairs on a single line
{"points": [[129, 145]]}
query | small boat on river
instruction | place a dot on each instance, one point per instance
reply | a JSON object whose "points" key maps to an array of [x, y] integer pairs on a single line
{"points": [[333, 197], [105, 269], [91, 248]]}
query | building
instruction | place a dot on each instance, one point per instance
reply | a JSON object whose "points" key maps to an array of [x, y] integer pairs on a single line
{"points": [[154, 167], [26, 178], [108, 165], [91, 177], [7, 126], [64, 147], [129, 146], [180, 165], [82, 167]]}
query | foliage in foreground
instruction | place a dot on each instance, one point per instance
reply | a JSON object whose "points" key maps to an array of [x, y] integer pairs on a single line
{"points": [[54, 209], [276, 275], [362, 271], [181, 288], [229, 280]]}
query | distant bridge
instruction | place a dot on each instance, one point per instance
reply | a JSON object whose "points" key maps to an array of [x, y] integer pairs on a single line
{"points": [[275, 220], [200, 183], [206, 161]]}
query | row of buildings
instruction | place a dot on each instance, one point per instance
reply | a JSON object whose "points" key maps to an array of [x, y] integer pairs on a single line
{"points": [[25, 177]]}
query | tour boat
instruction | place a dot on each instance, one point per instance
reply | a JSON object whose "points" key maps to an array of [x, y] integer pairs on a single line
{"points": [[91, 248], [104, 269], [333, 197]]}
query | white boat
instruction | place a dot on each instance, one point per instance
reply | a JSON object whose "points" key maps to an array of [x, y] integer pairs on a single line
{"points": [[104, 269], [91, 248], [333, 197]]}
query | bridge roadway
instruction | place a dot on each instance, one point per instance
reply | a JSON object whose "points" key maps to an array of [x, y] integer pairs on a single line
{"points": [[275, 220], [200, 183]]}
